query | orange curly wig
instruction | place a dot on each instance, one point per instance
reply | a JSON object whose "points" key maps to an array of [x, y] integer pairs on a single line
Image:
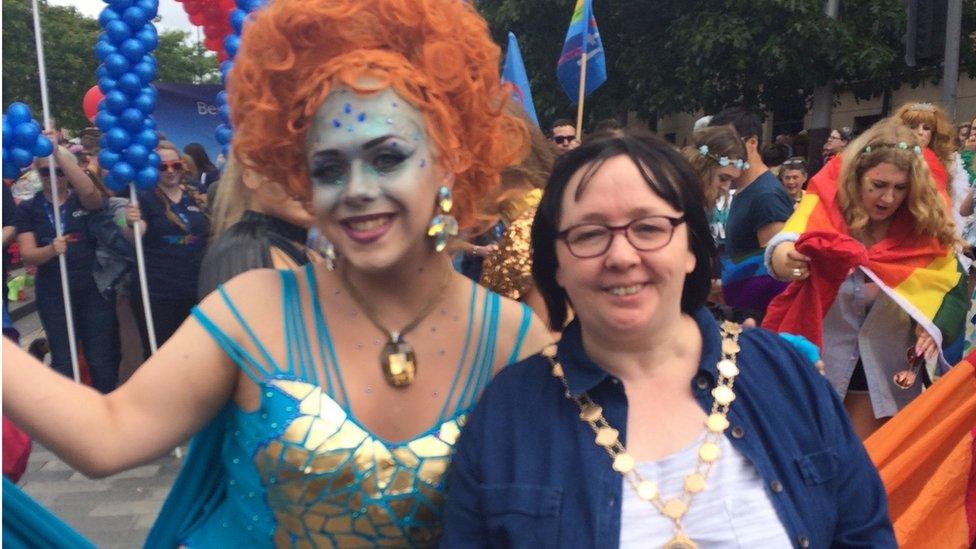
{"points": [[936, 118], [436, 54]]}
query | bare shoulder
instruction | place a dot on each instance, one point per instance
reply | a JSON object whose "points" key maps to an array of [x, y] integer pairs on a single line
{"points": [[252, 294], [519, 331]]}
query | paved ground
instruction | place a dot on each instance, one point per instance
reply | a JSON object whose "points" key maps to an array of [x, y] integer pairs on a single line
{"points": [[116, 512]]}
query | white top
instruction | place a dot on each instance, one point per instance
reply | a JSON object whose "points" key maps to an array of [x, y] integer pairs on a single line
{"points": [[734, 510]]}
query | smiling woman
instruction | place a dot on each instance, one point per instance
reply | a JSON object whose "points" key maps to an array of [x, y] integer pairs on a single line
{"points": [[327, 402], [648, 425]]}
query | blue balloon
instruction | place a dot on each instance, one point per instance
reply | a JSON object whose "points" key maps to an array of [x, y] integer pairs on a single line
{"points": [[237, 18], [225, 69], [224, 112], [147, 138], [108, 158], [18, 113], [122, 172], [231, 43], [120, 5], [103, 142], [107, 15], [153, 159], [115, 102], [224, 134], [118, 138], [222, 97], [117, 32], [112, 184], [148, 36], [145, 71], [135, 17], [10, 171], [25, 134], [131, 120], [43, 146], [8, 130], [103, 48], [133, 50], [21, 157], [105, 121], [130, 84], [107, 84], [136, 155], [102, 72], [145, 102], [116, 64], [150, 6], [249, 5], [146, 178], [149, 123]]}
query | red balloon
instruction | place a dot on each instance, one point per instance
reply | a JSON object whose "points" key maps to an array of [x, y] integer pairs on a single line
{"points": [[89, 104]]}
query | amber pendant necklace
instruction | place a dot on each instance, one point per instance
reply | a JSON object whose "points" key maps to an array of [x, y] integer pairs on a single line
{"points": [[623, 463], [397, 359]]}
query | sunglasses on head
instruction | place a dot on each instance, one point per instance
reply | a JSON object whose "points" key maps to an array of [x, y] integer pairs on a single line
{"points": [[794, 162], [46, 172], [171, 166], [560, 139]]}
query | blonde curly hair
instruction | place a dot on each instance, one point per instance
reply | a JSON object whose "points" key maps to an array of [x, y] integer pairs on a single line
{"points": [[436, 54], [882, 144]]}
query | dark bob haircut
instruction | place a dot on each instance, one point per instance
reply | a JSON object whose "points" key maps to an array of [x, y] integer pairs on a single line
{"points": [[667, 174]]}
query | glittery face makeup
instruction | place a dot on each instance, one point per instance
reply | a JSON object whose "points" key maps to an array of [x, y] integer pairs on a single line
{"points": [[374, 181]]}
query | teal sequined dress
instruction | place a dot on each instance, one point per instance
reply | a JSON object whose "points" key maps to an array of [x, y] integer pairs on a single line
{"points": [[300, 470]]}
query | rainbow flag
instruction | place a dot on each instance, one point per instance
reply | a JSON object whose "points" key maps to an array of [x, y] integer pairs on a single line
{"points": [[919, 274], [926, 456], [582, 36]]}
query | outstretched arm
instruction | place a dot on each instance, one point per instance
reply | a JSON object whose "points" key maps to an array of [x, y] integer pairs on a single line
{"points": [[178, 390]]}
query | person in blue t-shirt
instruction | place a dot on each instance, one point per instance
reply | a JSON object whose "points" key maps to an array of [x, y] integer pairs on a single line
{"points": [[95, 321], [174, 226], [760, 209]]}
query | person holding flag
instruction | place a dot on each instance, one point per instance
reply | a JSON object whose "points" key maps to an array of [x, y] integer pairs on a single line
{"points": [[582, 66]]}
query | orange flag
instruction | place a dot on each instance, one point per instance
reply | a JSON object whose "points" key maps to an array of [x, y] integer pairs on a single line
{"points": [[926, 456]]}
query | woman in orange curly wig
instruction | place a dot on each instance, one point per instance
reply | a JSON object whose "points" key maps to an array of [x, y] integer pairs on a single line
{"points": [[931, 125], [329, 399]]}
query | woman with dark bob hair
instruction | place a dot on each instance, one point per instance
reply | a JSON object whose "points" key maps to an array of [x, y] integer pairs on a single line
{"points": [[649, 425]]}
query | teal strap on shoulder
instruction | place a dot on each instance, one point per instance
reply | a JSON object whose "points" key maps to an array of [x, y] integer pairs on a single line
{"points": [[330, 366], [297, 347], [464, 354], [523, 329], [484, 357], [248, 363]]}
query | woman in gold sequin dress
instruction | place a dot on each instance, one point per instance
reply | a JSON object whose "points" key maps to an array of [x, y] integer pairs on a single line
{"points": [[327, 401]]}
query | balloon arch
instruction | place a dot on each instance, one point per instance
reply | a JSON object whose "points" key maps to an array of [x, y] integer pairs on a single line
{"points": [[122, 102]]}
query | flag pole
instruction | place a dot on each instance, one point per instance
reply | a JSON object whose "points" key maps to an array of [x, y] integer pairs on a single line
{"points": [[141, 267], [53, 181], [582, 94]]}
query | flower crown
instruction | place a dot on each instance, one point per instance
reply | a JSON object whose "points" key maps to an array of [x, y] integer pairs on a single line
{"points": [[723, 161], [900, 145]]}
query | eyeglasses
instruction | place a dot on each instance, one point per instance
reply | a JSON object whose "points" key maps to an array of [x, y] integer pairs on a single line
{"points": [[560, 139], [646, 234], [46, 172], [171, 166]]}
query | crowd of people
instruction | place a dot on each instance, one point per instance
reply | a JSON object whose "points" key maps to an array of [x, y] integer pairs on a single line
{"points": [[401, 315]]}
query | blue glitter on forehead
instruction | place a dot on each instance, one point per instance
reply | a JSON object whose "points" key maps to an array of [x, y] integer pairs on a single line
{"points": [[361, 118], [336, 123], [423, 162], [395, 104], [347, 108]]}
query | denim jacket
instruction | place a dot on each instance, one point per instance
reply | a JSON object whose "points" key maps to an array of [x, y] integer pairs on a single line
{"points": [[528, 474]]}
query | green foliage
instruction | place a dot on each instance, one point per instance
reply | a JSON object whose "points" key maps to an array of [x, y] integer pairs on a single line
{"points": [[69, 41], [669, 56]]}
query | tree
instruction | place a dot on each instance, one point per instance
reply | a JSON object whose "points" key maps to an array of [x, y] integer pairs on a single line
{"points": [[180, 61], [669, 56], [69, 41]]}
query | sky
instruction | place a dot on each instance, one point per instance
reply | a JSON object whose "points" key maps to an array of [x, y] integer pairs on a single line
{"points": [[171, 11]]}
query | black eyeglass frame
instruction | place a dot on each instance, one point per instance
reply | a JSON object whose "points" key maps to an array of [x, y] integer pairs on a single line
{"points": [[614, 229]]}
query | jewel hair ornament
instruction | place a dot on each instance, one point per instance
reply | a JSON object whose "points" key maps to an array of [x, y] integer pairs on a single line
{"points": [[900, 145], [723, 161], [927, 107], [443, 225]]}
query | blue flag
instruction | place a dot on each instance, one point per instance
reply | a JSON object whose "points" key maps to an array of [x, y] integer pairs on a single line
{"points": [[514, 74], [582, 36]]}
